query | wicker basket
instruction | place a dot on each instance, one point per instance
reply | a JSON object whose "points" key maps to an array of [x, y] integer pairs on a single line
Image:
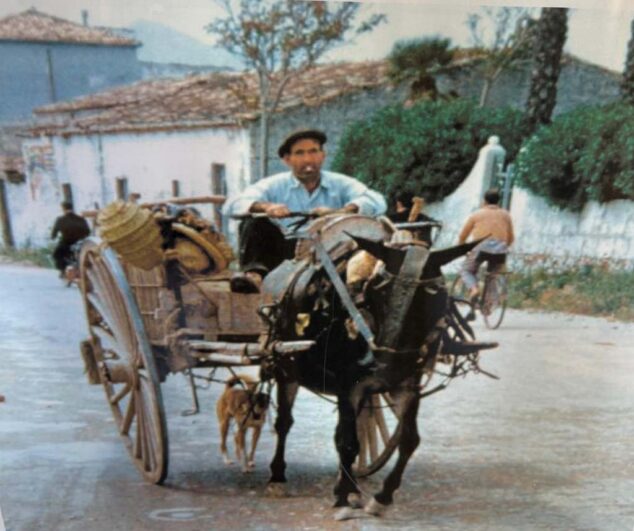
{"points": [[132, 232]]}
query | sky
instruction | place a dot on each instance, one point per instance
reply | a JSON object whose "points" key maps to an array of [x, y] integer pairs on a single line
{"points": [[598, 29]]}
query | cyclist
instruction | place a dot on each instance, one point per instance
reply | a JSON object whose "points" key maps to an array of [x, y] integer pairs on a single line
{"points": [[72, 228], [491, 222]]}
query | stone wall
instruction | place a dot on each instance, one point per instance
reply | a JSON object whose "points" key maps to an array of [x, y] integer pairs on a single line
{"points": [[580, 83], [332, 117]]}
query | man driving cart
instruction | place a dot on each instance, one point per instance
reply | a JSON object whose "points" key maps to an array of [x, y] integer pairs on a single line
{"points": [[305, 188]]}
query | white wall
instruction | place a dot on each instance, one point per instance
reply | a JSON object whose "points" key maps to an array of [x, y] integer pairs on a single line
{"points": [[150, 161], [600, 232], [544, 234]]}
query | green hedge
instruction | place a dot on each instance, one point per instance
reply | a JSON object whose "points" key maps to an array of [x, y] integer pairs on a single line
{"points": [[428, 148], [585, 154]]}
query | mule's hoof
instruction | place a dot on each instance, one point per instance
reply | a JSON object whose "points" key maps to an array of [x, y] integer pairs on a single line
{"points": [[228, 461], [354, 499], [375, 508], [251, 464], [348, 513], [276, 490]]}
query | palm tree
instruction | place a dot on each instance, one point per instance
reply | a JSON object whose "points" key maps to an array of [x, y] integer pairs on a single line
{"points": [[627, 87], [413, 60], [550, 36]]}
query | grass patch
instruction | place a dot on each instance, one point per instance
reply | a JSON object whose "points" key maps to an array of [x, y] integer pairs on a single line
{"points": [[41, 257], [586, 290]]}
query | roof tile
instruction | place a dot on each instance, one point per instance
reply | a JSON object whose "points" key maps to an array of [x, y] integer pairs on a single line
{"points": [[34, 26], [213, 99]]}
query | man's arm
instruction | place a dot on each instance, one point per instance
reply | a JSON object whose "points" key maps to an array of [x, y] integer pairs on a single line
{"points": [[55, 229], [466, 230], [253, 199], [368, 202], [511, 232]]}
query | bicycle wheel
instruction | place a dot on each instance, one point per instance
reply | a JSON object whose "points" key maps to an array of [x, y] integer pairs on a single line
{"points": [[494, 300], [460, 294]]}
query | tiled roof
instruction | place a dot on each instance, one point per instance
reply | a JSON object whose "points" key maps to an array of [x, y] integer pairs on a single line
{"points": [[11, 150], [11, 164], [214, 99], [33, 26]]}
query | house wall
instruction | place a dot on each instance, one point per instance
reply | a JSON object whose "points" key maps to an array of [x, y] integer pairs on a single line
{"points": [[91, 165], [27, 82]]}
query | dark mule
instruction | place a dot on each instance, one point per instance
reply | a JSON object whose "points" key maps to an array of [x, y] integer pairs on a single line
{"points": [[404, 303]]}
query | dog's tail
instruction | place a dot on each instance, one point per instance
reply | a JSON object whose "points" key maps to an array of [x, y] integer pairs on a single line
{"points": [[240, 379]]}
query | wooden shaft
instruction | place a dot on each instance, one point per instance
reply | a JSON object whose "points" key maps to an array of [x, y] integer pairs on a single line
{"points": [[417, 207], [249, 349], [202, 199]]}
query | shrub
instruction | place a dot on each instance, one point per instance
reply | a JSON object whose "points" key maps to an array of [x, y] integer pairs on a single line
{"points": [[41, 256], [590, 290], [428, 148], [585, 154]]}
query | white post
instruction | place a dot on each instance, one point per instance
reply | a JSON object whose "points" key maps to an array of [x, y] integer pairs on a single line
{"points": [[494, 155]]}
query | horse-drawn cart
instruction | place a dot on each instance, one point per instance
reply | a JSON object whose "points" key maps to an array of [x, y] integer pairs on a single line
{"points": [[168, 307]]}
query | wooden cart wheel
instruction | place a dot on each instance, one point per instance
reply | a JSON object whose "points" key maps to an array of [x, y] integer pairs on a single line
{"points": [[124, 357], [379, 434]]}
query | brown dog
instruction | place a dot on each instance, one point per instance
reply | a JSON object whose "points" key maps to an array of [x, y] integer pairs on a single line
{"points": [[241, 402]]}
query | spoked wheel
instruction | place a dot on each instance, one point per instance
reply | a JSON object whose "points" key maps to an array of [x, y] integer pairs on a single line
{"points": [[494, 300], [124, 357], [378, 433], [460, 293]]}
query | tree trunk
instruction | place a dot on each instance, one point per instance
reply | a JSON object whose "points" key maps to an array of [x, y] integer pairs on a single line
{"points": [[486, 90], [627, 86], [263, 168], [547, 51]]}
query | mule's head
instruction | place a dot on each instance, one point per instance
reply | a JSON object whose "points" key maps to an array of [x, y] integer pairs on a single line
{"points": [[407, 296]]}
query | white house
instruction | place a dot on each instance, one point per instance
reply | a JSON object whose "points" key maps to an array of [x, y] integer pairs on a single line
{"points": [[161, 138]]}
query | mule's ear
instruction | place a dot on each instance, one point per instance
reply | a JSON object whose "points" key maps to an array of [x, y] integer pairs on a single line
{"points": [[379, 250], [444, 256]]}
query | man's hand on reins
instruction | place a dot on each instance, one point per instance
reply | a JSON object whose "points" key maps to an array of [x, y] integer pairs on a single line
{"points": [[272, 210]]}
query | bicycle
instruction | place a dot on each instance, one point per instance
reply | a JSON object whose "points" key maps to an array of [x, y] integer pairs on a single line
{"points": [[492, 298]]}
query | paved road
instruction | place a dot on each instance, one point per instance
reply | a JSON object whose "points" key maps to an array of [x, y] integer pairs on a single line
{"points": [[549, 446]]}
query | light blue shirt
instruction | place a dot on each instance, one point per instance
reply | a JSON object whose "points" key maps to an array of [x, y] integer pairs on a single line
{"points": [[335, 190]]}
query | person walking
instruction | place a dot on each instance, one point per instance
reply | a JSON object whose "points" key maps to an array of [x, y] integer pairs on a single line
{"points": [[71, 228]]}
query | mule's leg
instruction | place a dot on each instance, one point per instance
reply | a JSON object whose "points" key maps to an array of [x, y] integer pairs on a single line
{"points": [[347, 445], [408, 443], [286, 393]]}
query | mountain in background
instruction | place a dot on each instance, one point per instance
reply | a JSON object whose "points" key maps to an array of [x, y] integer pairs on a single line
{"points": [[162, 44]]}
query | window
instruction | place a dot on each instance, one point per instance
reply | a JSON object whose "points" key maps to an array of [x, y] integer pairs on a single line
{"points": [[67, 193], [122, 188], [218, 179], [176, 188]]}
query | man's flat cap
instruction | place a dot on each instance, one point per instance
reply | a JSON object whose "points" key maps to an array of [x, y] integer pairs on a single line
{"points": [[301, 134]]}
